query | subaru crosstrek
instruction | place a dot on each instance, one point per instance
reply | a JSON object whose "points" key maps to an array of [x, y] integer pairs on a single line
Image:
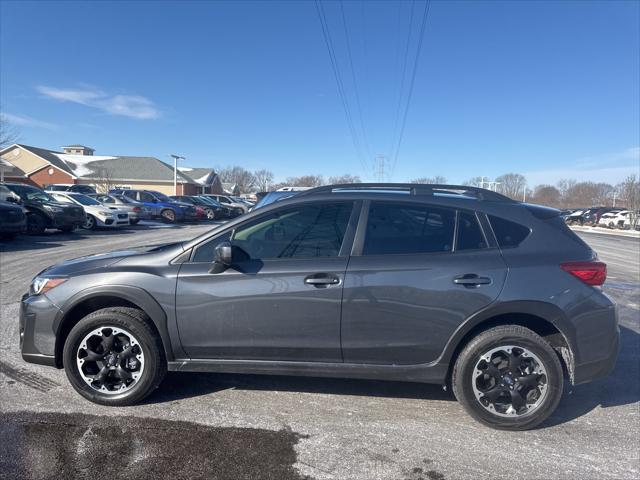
{"points": [[452, 285], [161, 206]]}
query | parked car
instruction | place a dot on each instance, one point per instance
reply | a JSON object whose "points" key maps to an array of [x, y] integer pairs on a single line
{"points": [[137, 211], [211, 212], [161, 206], [43, 211], [97, 214], [626, 219], [608, 219], [364, 283], [238, 208], [592, 216], [273, 197], [575, 217], [225, 211], [69, 187], [7, 195], [13, 219]]}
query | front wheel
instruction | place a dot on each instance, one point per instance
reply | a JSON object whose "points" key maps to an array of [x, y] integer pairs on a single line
{"points": [[508, 378], [90, 223], [36, 224], [168, 216], [211, 215], [113, 357]]}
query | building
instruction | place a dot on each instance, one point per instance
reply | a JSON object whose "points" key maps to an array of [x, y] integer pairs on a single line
{"points": [[77, 164]]}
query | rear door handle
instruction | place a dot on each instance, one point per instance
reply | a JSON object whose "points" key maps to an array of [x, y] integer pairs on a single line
{"points": [[471, 280], [321, 280]]}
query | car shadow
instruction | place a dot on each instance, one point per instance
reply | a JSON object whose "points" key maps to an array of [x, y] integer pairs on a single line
{"points": [[182, 385], [621, 387]]}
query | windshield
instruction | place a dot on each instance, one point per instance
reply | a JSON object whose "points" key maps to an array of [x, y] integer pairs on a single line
{"points": [[210, 201], [36, 195], [84, 200], [162, 197], [274, 197]]}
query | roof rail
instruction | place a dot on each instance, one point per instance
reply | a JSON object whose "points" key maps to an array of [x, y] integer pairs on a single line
{"points": [[414, 189]]}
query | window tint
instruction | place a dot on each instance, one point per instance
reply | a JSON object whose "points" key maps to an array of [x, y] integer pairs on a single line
{"points": [[106, 199], [508, 234], [470, 235], [145, 197], [204, 253], [301, 231], [402, 228]]}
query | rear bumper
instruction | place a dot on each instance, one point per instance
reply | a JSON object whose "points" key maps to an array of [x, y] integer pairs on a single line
{"points": [[588, 372]]}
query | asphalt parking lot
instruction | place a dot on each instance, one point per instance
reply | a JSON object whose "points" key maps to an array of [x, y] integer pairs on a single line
{"points": [[234, 426]]}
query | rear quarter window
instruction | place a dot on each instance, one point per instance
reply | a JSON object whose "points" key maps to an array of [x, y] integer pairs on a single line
{"points": [[508, 233]]}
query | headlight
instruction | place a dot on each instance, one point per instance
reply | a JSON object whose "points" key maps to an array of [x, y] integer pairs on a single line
{"points": [[43, 284], [105, 214], [54, 209]]}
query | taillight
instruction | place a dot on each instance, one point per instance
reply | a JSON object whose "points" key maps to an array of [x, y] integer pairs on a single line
{"points": [[137, 209], [591, 273]]}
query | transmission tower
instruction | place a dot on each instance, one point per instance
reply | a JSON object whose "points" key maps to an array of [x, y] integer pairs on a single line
{"points": [[380, 168]]}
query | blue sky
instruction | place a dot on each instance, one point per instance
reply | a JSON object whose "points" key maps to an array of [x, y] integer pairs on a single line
{"points": [[549, 89]]}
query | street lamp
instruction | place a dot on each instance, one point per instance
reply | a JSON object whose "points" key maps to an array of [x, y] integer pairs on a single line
{"points": [[175, 171]]}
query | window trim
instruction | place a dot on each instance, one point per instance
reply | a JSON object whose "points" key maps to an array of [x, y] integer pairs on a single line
{"points": [[345, 248], [482, 231]]}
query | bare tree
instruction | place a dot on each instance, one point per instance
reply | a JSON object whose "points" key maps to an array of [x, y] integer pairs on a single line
{"points": [[588, 194], [437, 180], [104, 179], [564, 186], [546, 195], [8, 132], [347, 178], [263, 179], [243, 179], [511, 185], [629, 191], [473, 182], [305, 181]]}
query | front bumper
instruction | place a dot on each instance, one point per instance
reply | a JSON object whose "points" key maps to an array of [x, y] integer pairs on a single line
{"points": [[37, 329]]}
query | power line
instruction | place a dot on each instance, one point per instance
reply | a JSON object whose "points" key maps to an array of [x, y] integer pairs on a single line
{"points": [[425, 16], [336, 73], [355, 83]]}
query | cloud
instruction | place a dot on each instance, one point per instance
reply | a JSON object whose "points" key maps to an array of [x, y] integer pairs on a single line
{"points": [[611, 168], [25, 121], [133, 106]]}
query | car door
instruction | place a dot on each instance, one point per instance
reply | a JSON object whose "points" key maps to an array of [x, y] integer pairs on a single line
{"points": [[281, 297], [417, 272]]}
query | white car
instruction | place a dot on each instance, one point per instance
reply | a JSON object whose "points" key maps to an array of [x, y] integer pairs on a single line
{"points": [[98, 215], [624, 219], [608, 219]]}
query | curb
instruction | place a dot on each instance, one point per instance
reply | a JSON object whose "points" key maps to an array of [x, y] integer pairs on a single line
{"points": [[606, 231]]}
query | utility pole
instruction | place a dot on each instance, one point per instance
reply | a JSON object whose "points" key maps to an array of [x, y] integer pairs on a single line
{"points": [[615, 194], [175, 171]]}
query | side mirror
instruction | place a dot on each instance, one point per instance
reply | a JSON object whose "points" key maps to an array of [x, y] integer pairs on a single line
{"points": [[12, 199], [222, 258]]}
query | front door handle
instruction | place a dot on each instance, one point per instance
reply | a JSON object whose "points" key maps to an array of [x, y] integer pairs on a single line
{"points": [[471, 280], [322, 280]]}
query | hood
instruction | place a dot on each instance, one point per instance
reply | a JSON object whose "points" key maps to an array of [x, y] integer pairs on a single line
{"points": [[101, 260]]}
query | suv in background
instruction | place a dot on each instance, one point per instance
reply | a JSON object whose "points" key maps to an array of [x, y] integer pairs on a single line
{"points": [[212, 212], [136, 210], [161, 206], [452, 285], [237, 208], [43, 211], [13, 219], [68, 187]]}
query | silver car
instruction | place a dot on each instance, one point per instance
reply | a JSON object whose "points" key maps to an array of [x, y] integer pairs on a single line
{"points": [[137, 211]]}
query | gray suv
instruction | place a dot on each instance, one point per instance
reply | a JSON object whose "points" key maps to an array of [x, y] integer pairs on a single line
{"points": [[452, 285]]}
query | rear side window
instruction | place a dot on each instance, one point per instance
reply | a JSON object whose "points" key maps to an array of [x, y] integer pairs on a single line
{"points": [[395, 228], [469, 236], [508, 234]]}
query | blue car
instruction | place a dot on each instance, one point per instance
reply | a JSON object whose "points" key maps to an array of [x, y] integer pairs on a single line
{"points": [[161, 206]]}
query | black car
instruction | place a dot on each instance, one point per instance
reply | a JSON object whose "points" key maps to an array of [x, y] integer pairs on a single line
{"points": [[211, 210], [43, 211], [13, 219], [436, 284]]}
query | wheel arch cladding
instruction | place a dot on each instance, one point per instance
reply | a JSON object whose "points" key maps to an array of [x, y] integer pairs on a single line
{"points": [[544, 319], [90, 300]]}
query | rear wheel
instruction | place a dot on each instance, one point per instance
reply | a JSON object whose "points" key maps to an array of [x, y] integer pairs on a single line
{"points": [[113, 357], [134, 222], [211, 215], [508, 378], [36, 224], [168, 216], [68, 228]]}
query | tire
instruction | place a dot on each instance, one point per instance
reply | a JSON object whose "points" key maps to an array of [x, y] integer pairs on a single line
{"points": [[134, 222], [168, 216], [8, 236], [36, 224], [468, 383], [90, 223], [68, 229], [131, 322], [211, 215]]}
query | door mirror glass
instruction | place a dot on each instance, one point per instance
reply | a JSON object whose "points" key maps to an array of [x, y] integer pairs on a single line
{"points": [[222, 258]]}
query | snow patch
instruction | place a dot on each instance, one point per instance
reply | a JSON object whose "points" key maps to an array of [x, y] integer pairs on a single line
{"points": [[79, 164]]}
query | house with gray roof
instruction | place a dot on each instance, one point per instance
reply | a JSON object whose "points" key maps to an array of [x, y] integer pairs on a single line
{"points": [[77, 164]]}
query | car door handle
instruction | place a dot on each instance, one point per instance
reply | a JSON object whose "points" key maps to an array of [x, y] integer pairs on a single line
{"points": [[322, 280], [471, 280]]}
